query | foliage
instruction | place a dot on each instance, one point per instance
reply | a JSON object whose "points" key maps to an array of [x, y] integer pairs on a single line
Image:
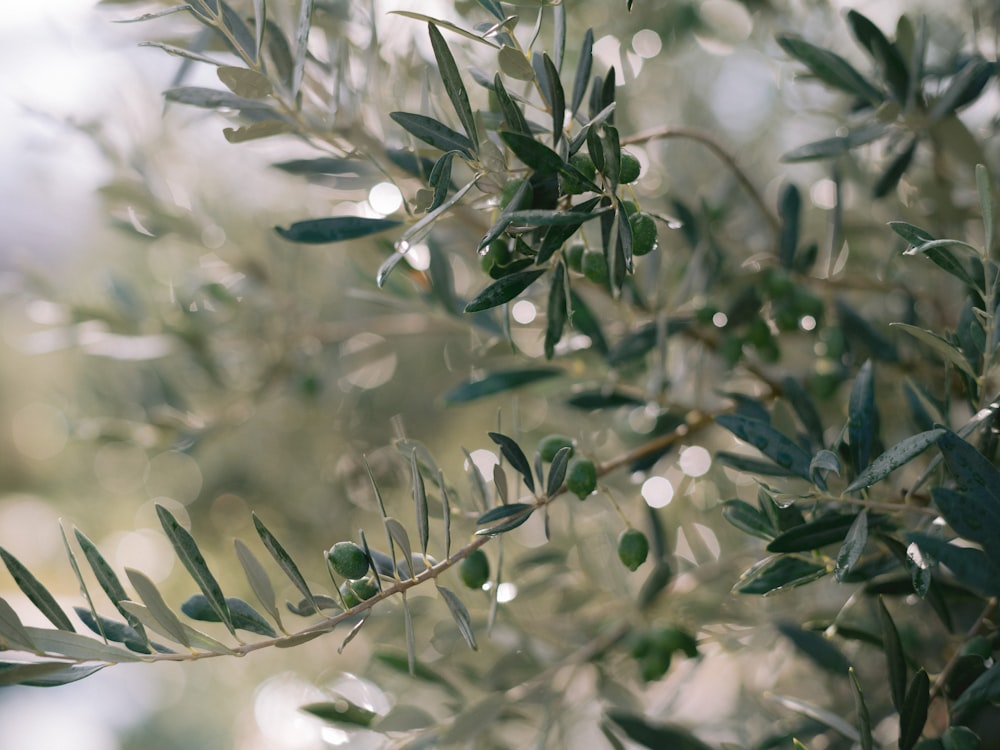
{"points": [[519, 186]]}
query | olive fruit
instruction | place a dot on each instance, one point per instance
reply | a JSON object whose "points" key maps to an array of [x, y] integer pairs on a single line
{"points": [[550, 445], [633, 547], [581, 477], [355, 592], [572, 185], [348, 560], [574, 256], [510, 190], [629, 171], [595, 267], [474, 570], [643, 233]]}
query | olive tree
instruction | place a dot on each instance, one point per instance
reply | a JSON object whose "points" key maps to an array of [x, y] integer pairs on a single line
{"points": [[693, 429]]}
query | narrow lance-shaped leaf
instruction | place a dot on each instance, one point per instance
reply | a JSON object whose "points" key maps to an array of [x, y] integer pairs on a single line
{"points": [[885, 53], [245, 617], [985, 689], [499, 381], [943, 348], [972, 567], [440, 179], [901, 453], [284, 560], [84, 591], [36, 592], [260, 582], [189, 554], [556, 317], [402, 540], [813, 534], [341, 711], [895, 170], [553, 90], [243, 82], [513, 117], [854, 545], [411, 640], [862, 423], [974, 474], [893, 648], [107, 579], [260, 24], [748, 519], [513, 453], [789, 209], [453, 84], [301, 45], [831, 68], [13, 634], [778, 573], [198, 96], [460, 615], [196, 638], [445, 25], [985, 204], [419, 501], [582, 71], [433, 132], [864, 718], [43, 673], [242, 38], [334, 229], [557, 471], [151, 597], [77, 646], [971, 516], [503, 290], [511, 516], [913, 714], [769, 441]]}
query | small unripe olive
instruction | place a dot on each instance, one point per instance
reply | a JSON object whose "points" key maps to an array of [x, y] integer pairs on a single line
{"points": [[643, 233], [574, 256], [474, 570], [595, 267], [550, 445], [348, 560], [355, 592], [572, 185], [629, 171], [581, 477], [633, 547], [510, 190]]}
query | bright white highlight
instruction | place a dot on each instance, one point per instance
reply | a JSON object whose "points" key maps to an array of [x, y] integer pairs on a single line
{"points": [[647, 43], [695, 461], [657, 492], [524, 312], [385, 198]]}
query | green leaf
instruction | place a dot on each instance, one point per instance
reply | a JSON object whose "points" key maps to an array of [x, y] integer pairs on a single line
{"points": [[828, 148], [419, 502], [552, 90], [503, 290], [556, 311], [814, 534], [893, 648], [773, 444], [514, 64], [654, 735], [36, 592], [341, 711], [13, 634], [901, 453], [543, 159], [195, 638], [108, 580], [260, 582], [260, 24], [334, 229], [44, 673], [112, 630], [283, 559], [513, 453], [244, 616], [895, 170], [831, 68], [197, 96], [189, 554], [435, 133], [943, 348], [243, 82], [973, 473], [854, 545], [76, 646], [155, 14], [460, 614], [582, 78], [401, 539], [816, 647], [985, 203], [964, 87], [513, 117], [445, 25], [884, 52], [747, 519], [453, 85], [984, 690], [804, 408], [546, 218], [151, 597], [862, 421], [262, 129], [557, 471], [749, 465], [778, 573], [239, 33], [301, 45], [440, 179], [821, 715], [864, 718], [512, 515], [789, 210], [972, 567], [913, 714], [958, 738], [972, 518], [498, 381]]}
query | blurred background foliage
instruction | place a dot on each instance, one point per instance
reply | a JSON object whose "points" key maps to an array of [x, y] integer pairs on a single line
{"points": [[163, 345]]}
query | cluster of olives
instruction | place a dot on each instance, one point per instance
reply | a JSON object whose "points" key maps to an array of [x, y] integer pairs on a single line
{"points": [[349, 561], [654, 650]]}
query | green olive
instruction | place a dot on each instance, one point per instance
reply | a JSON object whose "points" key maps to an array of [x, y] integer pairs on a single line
{"points": [[581, 477], [348, 560], [474, 570], [550, 445], [643, 233], [633, 548], [595, 267], [574, 256], [630, 169]]}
